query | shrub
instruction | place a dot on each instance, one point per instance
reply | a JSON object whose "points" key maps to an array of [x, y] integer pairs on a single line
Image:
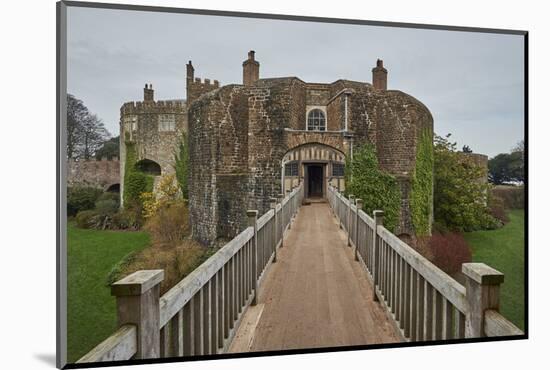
{"points": [[460, 196], [422, 185], [126, 219], [84, 219], [376, 188], [513, 197], [496, 208], [169, 225], [135, 181], [80, 198], [166, 194], [176, 261], [106, 206], [449, 251], [119, 268], [109, 196]]}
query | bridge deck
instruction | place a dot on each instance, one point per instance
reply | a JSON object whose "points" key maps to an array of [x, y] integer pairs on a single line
{"points": [[316, 295]]}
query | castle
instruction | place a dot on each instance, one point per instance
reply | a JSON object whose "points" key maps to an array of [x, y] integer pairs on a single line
{"points": [[250, 142]]}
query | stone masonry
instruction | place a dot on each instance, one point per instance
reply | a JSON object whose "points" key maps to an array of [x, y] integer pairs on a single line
{"points": [[103, 174], [242, 136], [155, 128]]}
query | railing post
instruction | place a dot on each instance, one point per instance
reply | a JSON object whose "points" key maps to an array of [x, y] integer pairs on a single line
{"points": [[273, 205], [378, 220], [137, 298], [252, 216], [482, 293], [339, 202], [282, 226], [290, 210], [351, 198], [359, 205]]}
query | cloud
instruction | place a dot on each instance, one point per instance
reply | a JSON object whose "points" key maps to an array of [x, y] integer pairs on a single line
{"points": [[471, 82]]}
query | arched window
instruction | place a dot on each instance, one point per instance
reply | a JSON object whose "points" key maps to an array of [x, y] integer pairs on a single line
{"points": [[316, 120]]}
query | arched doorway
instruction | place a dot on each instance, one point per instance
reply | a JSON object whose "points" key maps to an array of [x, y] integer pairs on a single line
{"points": [[114, 188], [315, 165], [149, 167]]}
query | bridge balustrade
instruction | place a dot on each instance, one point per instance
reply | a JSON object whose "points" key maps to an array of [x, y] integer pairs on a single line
{"points": [[422, 301], [200, 314]]}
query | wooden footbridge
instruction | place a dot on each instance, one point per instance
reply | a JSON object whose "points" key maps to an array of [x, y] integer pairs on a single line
{"points": [[303, 276]]}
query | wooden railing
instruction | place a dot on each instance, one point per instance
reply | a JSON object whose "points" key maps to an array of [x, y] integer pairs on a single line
{"points": [[422, 301], [200, 314]]}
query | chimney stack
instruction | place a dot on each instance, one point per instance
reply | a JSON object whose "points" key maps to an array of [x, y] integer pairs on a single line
{"points": [[148, 93], [190, 71], [251, 70], [380, 76]]}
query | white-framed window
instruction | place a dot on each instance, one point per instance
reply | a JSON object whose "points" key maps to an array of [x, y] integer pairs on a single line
{"points": [[130, 123], [316, 120], [167, 122]]}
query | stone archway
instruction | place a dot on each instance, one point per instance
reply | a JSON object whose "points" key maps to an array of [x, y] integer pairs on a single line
{"points": [[149, 167], [316, 165], [113, 188]]}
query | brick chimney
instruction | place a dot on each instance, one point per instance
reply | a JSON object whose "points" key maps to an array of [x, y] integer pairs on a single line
{"points": [[148, 93], [251, 70], [380, 76]]}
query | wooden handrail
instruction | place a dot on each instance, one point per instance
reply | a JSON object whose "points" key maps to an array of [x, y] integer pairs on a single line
{"points": [[422, 301], [180, 294], [446, 285], [497, 325], [200, 314], [122, 345]]}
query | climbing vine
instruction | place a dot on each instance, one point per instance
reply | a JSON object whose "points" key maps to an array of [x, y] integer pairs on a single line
{"points": [[377, 189], [135, 182], [181, 166], [422, 185]]}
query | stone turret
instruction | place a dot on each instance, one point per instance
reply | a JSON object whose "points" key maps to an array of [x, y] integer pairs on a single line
{"points": [[251, 70], [380, 76]]}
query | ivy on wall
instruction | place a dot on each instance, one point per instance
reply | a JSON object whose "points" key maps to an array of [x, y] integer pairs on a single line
{"points": [[422, 185], [181, 166], [378, 189], [135, 182]]}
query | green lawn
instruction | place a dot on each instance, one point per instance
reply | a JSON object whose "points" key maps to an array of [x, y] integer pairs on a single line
{"points": [[503, 249], [91, 309]]}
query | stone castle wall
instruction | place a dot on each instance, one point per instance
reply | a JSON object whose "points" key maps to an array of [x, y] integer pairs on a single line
{"points": [[264, 121], [100, 174], [239, 136], [155, 128]]}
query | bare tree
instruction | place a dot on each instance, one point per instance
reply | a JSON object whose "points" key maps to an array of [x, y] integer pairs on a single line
{"points": [[85, 131]]}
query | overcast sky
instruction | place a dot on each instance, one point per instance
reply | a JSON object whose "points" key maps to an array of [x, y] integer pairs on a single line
{"points": [[471, 82]]}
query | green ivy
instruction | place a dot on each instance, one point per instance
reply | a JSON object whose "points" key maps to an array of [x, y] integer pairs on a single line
{"points": [[422, 185], [135, 181], [377, 189], [182, 166]]}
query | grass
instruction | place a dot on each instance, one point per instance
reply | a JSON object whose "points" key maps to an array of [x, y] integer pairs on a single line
{"points": [[503, 249], [90, 307]]}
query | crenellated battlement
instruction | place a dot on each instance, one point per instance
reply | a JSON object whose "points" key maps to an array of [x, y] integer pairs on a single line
{"points": [[160, 106], [206, 82], [197, 86], [94, 160], [100, 173]]}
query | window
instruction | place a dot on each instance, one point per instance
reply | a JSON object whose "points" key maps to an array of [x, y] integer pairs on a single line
{"points": [[338, 170], [167, 122], [291, 169], [130, 122], [316, 120]]}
